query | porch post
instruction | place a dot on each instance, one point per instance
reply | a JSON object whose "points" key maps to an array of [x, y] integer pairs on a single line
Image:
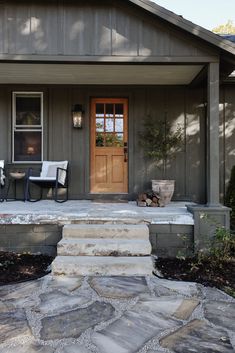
{"points": [[208, 217], [213, 135]]}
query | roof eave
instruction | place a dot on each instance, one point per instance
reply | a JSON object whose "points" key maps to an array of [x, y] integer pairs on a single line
{"points": [[186, 25]]}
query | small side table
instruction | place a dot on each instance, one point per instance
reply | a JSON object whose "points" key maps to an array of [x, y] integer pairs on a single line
{"points": [[14, 179]]}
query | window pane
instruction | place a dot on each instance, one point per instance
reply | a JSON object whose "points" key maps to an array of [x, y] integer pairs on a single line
{"points": [[28, 110], [27, 146], [109, 126], [114, 140], [99, 140], [119, 140], [100, 110], [110, 140], [109, 110], [119, 110], [99, 125], [119, 125]]}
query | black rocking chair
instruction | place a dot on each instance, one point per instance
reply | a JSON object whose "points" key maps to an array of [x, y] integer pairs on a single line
{"points": [[53, 175]]}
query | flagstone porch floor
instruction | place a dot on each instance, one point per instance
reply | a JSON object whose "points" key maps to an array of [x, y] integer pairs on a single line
{"points": [[50, 212]]}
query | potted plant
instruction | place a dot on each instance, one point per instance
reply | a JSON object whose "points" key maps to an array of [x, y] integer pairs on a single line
{"points": [[160, 142]]}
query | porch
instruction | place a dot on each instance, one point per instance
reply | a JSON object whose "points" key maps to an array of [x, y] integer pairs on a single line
{"points": [[85, 211], [38, 227]]}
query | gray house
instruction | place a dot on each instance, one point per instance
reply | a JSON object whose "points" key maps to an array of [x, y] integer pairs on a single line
{"points": [[117, 62]]}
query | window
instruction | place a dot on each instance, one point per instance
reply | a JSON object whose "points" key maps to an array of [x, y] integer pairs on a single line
{"points": [[27, 111]]}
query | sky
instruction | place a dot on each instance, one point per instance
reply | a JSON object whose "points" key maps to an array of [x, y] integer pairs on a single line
{"points": [[206, 13]]}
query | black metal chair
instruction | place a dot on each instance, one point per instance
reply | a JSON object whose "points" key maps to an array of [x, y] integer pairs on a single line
{"points": [[2, 180], [53, 175]]}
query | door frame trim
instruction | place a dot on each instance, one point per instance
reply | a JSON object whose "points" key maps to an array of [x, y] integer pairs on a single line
{"points": [[91, 131]]}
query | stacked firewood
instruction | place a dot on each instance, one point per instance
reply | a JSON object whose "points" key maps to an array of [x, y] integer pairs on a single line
{"points": [[149, 199]]}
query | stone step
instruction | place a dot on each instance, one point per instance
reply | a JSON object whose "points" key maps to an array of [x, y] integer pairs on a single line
{"points": [[102, 266], [122, 231], [103, 247]]}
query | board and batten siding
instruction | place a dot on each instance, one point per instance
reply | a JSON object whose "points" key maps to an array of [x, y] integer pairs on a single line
{"points": [[227, 134], [182, 105], [90, 28]]}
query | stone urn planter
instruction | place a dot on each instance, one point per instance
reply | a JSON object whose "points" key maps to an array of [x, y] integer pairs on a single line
{"points": [[165, 190]]}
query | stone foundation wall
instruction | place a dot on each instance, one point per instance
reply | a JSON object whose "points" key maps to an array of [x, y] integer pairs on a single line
{"points": [[171, 240], [30, 238], [167, 240]]}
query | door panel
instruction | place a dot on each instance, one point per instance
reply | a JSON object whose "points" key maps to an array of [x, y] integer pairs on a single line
{"points": [[109, 162]]}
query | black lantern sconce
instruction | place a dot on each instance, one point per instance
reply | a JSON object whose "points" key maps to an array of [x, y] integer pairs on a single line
{"points": [[77, 115]]}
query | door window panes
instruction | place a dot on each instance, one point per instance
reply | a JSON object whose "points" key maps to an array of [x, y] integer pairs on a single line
{"points": [[99, 140], [119, 125], [109, 125], [119, 110], [99, 125], [99, 110], [109, 110]]}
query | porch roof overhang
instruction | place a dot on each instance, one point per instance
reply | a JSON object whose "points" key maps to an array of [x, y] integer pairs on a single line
{"points": [[106, 74]]}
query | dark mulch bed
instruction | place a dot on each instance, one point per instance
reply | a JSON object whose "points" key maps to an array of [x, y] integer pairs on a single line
{"points": [[16, 268], [206, 272]]}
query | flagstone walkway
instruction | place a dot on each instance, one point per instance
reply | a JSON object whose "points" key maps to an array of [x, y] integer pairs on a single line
{"points": [[115, 315]]}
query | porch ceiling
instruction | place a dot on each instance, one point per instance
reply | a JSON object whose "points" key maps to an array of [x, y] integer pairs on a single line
{"points": [[23, 73]]}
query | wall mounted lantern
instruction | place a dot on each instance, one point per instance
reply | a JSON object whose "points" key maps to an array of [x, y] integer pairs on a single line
{"points": [[77, 115]]}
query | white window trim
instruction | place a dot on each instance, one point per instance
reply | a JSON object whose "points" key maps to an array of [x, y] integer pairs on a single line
{"points": [[14, 126]]}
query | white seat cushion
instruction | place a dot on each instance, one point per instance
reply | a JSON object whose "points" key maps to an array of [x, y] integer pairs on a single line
{"points": [[2, 176], [42, 179]]}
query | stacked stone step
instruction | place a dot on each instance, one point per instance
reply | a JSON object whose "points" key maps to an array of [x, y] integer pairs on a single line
{"points": [[103, 250]]}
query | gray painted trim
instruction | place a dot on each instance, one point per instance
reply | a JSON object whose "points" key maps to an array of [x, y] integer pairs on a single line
{"points": [[213, 151], [110, 59], [186, 25]]}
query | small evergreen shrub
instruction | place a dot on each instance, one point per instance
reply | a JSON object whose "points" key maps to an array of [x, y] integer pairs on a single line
{"points": [[230, 197]]}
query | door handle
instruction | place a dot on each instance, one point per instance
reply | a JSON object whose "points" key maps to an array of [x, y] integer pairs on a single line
{"points": [[125, 152]]}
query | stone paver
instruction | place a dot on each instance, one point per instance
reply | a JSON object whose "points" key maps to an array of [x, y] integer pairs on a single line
{"points": [[170, 307], [179, 287], [197, 336], [213, 294], [65, 283], [72, 323], [13, 325], [75, 348], [221, 314], [56, 301], [186, 308], [129, 333], [28, 348], [119, 287], [115, 315]]}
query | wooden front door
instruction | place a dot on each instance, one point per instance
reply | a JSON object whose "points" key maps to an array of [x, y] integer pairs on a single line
{"points": [[109, 158]]}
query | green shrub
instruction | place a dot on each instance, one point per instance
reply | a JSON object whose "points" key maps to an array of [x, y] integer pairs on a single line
{"points": [[230, 197]]}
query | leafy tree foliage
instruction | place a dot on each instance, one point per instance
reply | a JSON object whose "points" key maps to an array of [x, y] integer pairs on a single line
{"points": [[227, 28], [158, 138]]}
